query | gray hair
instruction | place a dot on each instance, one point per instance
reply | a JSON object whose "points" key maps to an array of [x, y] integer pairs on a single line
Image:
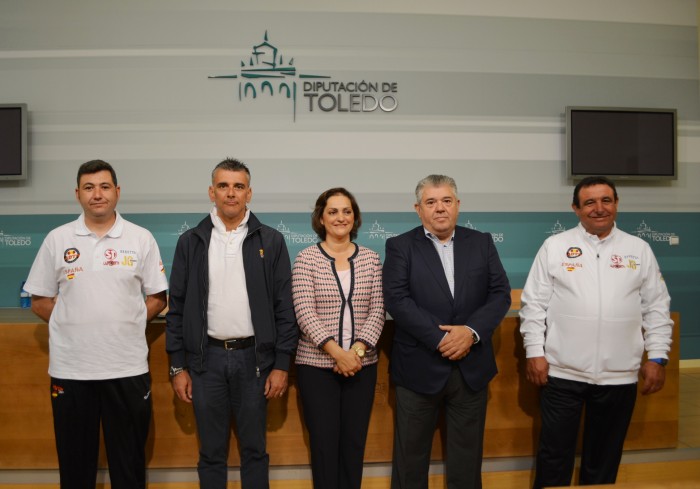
{"points": [[434, 181], [231, 164]]}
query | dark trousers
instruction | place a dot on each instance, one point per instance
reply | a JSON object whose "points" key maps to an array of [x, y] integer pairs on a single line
{"points": [[231, 387], [336, 412], [123, 406], [608, 414], [416, 419]]}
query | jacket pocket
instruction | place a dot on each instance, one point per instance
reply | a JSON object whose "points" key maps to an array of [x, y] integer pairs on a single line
{"points": [[621, 344], [570, 342]]}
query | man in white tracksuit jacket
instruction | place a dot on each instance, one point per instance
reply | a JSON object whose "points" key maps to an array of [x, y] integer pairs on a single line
{"points": [[593, 302]]}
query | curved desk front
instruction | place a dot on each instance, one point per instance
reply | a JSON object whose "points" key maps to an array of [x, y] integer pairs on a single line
{"points": [[27, 439]]}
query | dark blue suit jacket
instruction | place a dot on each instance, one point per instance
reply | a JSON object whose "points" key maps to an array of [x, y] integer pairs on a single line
{"points": [[417, 296]]}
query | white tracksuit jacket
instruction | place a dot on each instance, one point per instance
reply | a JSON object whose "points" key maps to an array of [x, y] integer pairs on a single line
{"points": [[592, 306]]}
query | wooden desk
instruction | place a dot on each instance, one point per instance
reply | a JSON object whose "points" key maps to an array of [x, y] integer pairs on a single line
{"points": [[26, 429]]}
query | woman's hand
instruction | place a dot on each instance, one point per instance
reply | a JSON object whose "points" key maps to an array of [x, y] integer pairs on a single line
{"points": [[347, 362]]}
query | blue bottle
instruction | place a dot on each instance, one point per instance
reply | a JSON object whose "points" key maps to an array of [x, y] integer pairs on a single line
{"points": [[25, 300]]}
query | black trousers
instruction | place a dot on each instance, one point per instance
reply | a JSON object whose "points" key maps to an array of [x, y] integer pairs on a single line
{"points": [[608, 411], [416, 419], [123, 407], [336, 412]]}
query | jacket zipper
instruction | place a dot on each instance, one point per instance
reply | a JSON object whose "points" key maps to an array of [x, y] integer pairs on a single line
{"points": [[205, 307], [255, 337]]}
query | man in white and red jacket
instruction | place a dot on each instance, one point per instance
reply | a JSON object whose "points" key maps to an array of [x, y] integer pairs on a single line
{"points": [[593, 302]]}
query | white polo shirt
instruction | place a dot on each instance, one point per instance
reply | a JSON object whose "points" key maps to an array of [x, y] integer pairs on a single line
{"points": [[97, 327], [228, 311]]}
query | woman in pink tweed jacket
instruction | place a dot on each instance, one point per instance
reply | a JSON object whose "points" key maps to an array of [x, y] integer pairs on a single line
{"points": [[337, 290]]}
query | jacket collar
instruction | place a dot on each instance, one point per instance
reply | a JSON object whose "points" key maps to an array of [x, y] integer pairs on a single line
{"points": [[204, 228]]}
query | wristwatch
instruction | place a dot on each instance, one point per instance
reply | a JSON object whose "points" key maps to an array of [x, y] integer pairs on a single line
{"points": [[359, 351], [176, 370], [475, 338], [661, 361]]}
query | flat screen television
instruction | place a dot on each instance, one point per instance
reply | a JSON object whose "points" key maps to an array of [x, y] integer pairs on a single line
{"points": [[621, 143], [13, 141]]}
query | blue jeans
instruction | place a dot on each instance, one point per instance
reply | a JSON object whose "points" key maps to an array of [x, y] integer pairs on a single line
{"points": [[231, 386]]}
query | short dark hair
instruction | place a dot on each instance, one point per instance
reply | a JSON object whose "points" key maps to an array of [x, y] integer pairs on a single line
{"points": [[96, 166], [589, 182], [321, 203], [231, 164]]}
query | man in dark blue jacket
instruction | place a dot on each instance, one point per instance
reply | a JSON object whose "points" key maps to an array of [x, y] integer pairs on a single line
{"points": [[231, 328], [446, 289]]}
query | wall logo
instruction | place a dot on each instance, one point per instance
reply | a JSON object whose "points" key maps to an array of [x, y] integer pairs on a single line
{"points": [[182, 229], [556, 229], [292, 237], [13, 240], [267, 71], [497, 237], [645, 232], [377, 231]]}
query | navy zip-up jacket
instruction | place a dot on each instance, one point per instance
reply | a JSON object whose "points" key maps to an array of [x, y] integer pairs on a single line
{"points": [[268, 278]]}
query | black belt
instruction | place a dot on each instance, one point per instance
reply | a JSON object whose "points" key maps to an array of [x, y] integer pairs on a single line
{"points": [[233, 343]]}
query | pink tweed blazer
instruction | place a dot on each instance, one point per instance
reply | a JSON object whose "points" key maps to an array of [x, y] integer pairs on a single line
{"points": [[318, 302]]}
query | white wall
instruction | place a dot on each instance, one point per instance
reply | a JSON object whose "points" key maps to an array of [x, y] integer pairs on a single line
{"points": [[482, 87]]}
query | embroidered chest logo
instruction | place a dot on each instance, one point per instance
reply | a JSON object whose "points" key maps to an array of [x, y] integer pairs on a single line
{"points": [[70, 255], [571, 266], [616, 262], [633, 262], [129, 258], [110, 258], [574, 252], [71, 273]]}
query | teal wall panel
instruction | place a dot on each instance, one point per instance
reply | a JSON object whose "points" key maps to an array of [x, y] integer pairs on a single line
{"points": [[517, 235]]}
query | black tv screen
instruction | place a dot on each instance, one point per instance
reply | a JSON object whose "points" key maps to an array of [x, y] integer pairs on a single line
{"points": [[13, 141], [621, 143]]}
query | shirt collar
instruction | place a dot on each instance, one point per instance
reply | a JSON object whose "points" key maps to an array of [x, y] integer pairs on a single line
{"points": [[432, 237], [114, 232], [221, 227], [594, 237]]}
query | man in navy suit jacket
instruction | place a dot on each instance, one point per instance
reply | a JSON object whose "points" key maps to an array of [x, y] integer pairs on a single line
{"points": [[447, 291]]}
